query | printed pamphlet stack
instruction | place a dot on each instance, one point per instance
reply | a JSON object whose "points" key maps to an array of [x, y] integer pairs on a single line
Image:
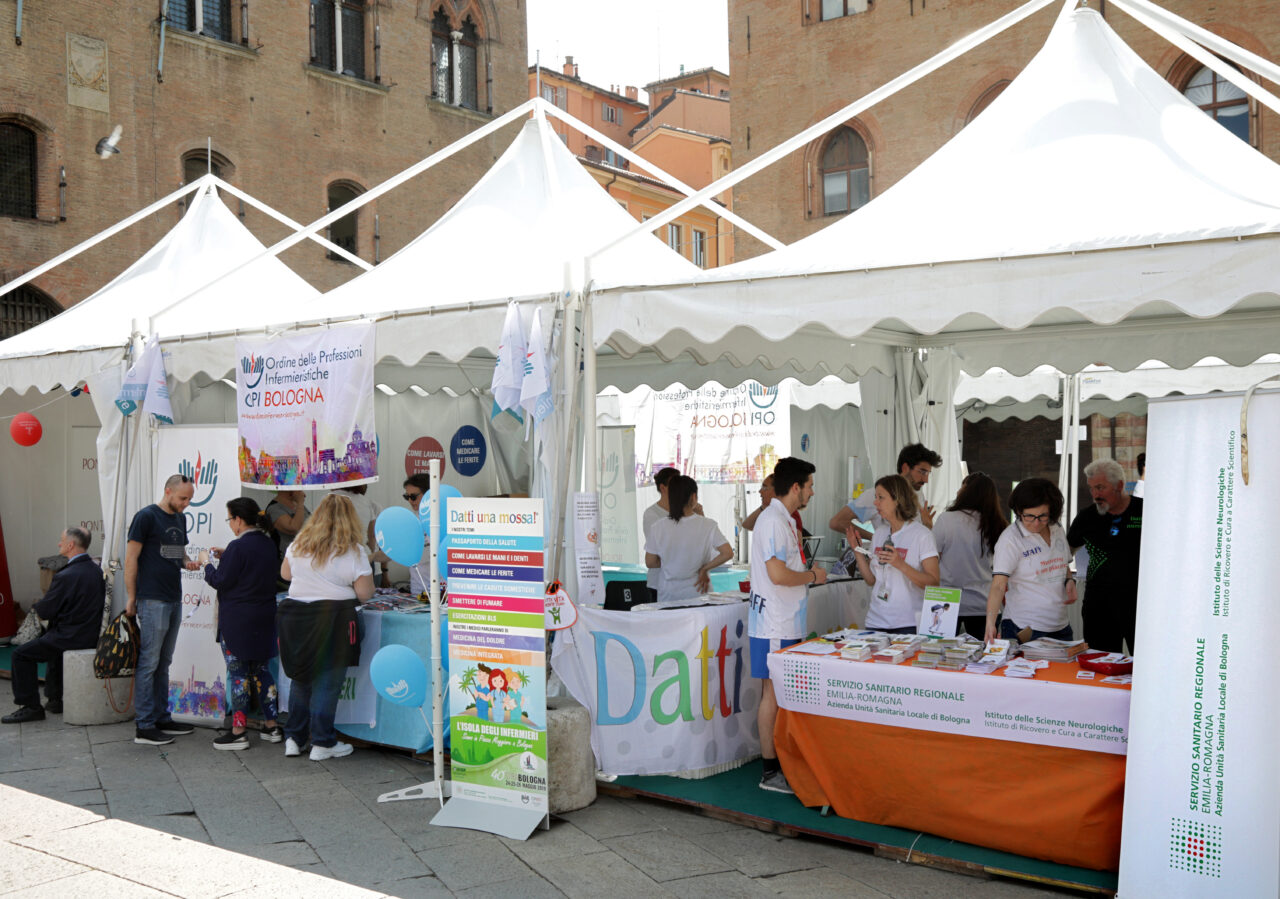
{"points": [[1051, 650]]}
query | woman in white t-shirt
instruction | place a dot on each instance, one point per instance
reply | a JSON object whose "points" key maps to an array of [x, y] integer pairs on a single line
{"points": [[328, 568], [966, 536], [904, 559], [1031, 568], [684, 546]]}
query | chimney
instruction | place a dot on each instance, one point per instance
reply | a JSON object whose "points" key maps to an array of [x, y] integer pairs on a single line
{"points": [[569, 68], [632, 93]]}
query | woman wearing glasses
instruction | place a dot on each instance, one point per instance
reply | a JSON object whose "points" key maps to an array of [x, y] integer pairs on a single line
{"points": [[328, 568], [245, 578], [1032, 579], [904, 559]]}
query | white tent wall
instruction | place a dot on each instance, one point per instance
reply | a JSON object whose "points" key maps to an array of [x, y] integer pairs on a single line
{"points": [[829, 438], [49, 486]]}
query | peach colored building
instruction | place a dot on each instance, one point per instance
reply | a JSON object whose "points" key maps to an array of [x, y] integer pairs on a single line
{"points": [[683, 130]]}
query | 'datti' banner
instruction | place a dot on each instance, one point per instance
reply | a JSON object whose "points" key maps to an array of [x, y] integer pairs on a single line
{"points": [[304, 406]]}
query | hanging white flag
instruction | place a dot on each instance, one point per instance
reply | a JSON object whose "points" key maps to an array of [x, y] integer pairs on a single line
{"points": [[535, 392], [145, 385], [508, 373]]}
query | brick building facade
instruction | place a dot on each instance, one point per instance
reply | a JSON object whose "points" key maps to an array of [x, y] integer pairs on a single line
{"points": [[798, 61], [304, 103]]}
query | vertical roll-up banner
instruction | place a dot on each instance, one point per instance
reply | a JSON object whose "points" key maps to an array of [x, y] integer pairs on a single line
{"points": [[1203, 781]]}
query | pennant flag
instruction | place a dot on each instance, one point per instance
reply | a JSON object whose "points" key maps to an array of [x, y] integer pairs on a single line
{"points": [[145, 384], [508, 373], [535, 392]]}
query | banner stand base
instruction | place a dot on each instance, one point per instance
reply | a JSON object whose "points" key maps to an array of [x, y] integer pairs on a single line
{"points": [[430, 790], [505, 821]]}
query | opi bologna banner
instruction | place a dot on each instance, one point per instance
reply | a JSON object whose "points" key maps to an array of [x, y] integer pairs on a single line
{"points": [[1200, 815], [668, 691], [304, 406]]}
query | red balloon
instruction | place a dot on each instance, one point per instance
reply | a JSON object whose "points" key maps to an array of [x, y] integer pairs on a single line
{"points": [[25, 429]]}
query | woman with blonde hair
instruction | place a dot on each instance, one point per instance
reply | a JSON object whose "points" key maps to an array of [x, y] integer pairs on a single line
{"points": [[903, 561], [327, 565]]}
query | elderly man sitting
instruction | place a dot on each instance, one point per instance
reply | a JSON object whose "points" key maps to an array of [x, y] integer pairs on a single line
{"points": [[73, 608]]}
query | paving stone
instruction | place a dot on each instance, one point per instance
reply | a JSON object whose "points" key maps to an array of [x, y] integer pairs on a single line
{"points": [[26, 814], [820, 882], [149, 799], [666, 856], [419, 888], [185, 826], [90, 883], [607, 817], [234, 826], [676, 818], [597, 874], [295, 853], [429, 836], [531, 886], [371, 860], [21, 868], [483, 860], [754, 853], [725, 885], [563, 840], [110, 733]]}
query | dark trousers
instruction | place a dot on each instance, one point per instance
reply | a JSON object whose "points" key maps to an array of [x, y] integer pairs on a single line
{"points": [[975, 626], [1107, 622], [26, 679]]}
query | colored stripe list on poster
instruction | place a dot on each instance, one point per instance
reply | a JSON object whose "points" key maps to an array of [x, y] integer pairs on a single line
{"points": [[497, 648]]}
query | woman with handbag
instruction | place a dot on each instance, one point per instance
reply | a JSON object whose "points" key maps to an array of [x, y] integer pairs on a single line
{"points": [[245, 578], [328, 568]]}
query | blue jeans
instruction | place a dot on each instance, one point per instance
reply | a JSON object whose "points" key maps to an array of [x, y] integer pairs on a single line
{"points": [[312, 706], [158, 625], [1009, 630]]}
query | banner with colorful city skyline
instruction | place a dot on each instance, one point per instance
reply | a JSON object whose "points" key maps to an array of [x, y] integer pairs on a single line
{"points": [[304, 409]]}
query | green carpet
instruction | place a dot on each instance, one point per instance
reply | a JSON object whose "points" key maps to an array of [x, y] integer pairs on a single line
{"points": [[737, 791], [5, 670]]}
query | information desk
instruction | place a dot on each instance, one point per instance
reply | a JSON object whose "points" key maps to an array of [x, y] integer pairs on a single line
{"points": [[1011, 789], [670, 690], [362, 711]]}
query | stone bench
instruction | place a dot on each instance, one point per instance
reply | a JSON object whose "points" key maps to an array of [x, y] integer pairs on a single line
{"points": [[88, 700], [571, 764]]}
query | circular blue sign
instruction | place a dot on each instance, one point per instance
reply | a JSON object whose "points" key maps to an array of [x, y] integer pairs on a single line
{"points": [[467, 451]]}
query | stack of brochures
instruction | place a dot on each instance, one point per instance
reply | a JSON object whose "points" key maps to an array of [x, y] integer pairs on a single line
{"points": [[1051, 650], [1024, 668]]}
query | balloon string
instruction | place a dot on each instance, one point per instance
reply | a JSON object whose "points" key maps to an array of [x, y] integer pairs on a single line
{"points": [[34, 408]]}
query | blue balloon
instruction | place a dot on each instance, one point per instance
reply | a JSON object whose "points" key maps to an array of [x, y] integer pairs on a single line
{"points": [[399, 675], [446, 492], [399, 535], [442, 558]]}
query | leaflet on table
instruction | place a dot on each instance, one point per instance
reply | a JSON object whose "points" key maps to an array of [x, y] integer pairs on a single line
{"points": [[940, 611], [497, 648]]}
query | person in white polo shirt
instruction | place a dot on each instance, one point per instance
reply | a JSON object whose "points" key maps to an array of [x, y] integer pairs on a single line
{"points": [[904, 559], [1031, 568], [779, 583], [684, 547], [654, 514]]}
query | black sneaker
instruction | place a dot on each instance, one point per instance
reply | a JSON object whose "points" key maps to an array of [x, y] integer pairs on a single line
{"points": [[174, 729], [273, 734], [53, 707], [231, 740], [152, 736]]}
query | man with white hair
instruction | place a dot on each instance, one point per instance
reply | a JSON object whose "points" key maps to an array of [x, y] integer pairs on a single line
{"points": [[1111, 530]]}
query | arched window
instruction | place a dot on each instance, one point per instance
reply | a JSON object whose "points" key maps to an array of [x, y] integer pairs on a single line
{"points": [[988, 96], [468, 54], [344, 232], [25, 308], [18, 169], [846, 173], [211, 18], [200, 162], [1221, 99], [441, 58], [337, 36]]}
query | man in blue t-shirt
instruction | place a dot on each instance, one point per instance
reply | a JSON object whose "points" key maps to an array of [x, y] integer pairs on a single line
{"points": [[154, 559]]}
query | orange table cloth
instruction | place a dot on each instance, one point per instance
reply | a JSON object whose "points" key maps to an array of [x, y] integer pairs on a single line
{"points": [[1063, 805]]}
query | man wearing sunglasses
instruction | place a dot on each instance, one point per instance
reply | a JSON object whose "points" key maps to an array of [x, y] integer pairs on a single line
{"points": [[1111, 531], [415, 486], [153, 563]]}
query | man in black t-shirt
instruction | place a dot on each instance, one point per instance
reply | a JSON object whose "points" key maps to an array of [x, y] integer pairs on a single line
{"points": [[1111, 530], [153, 563]]}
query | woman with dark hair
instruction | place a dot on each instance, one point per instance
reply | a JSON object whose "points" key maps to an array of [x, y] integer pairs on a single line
{"points": [[245, 578], [328, 568], [1031, 578], [684, 546], [904, 559], [966, 536]]}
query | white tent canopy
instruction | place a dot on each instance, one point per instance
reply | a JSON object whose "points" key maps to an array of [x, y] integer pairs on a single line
{"points": [[208, 241], [1089, 193]]}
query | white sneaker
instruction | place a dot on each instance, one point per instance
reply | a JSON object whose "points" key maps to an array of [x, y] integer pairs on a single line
{"points": [[336, 751], [292, 749]]}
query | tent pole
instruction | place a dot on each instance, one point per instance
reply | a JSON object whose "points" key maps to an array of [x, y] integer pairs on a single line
{"points": [[648, 165], [1064, 461], [1226, 72], [839, 117], [589, 390], [569, 362], [101, 236], [1075, 445], [291, 224]]}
